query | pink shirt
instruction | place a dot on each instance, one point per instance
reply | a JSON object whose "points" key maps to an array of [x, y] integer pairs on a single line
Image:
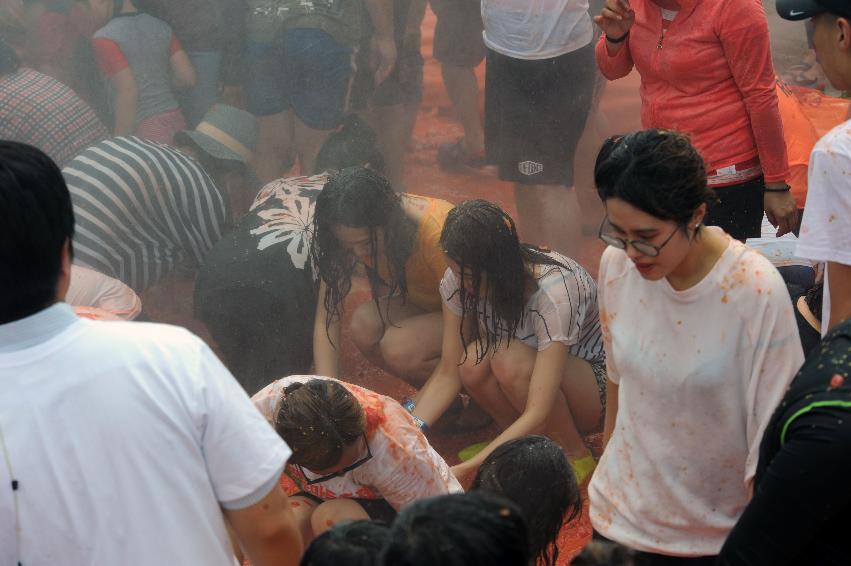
{"points": [[709, 75]]}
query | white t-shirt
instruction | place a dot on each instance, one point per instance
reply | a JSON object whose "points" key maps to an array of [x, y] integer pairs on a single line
{"points": [[700, 373], [403, 468], [563, 309], [536, 29], [126, 440], [826, 227], [90, 288]]}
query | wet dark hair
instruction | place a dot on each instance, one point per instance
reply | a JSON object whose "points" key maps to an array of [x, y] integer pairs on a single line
{"points": [[36, 221], [470, 529], [533, 472], [656, 171], [605, 553], [9, 62], [814, 297], [356, 543], [361, 198], [318, 419], [353, 144], [480, 237]]}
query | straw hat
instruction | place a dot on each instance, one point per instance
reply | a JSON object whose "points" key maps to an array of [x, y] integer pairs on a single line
{"points": [[225, 133]]}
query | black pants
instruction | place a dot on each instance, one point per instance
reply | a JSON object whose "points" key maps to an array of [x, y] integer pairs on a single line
{"points": [[739, 209]]}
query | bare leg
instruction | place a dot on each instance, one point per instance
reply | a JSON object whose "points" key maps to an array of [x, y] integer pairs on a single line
{"points": [[274, 143], [480, 383], [549, 215], [308, 142], [407, 344], [463, 89], [333, 512], [513, 366]]}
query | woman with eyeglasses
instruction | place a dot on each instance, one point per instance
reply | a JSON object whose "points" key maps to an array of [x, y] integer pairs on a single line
{"points": [[521, 334], [701, 343], [356, 454]]}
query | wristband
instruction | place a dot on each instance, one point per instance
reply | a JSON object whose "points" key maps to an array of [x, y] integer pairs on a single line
{"points": [[785, 189], [420, 423], [409, 405], [620, 39]]}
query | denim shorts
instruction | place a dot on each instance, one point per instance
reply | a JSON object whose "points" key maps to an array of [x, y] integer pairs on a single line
{"points": [[304, 70]]}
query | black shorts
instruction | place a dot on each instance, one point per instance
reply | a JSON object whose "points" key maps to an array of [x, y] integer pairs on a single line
{"points": [[377, 509], [535, 113], [458, 37], [738, 209]]}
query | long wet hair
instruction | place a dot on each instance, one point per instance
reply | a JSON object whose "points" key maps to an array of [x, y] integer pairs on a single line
{"points": [[361, 198], [480, 237], [318, 419], [656, 171], [533, 472]]}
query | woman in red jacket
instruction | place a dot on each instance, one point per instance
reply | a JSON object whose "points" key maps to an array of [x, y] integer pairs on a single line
{"points": [[706, 71]]}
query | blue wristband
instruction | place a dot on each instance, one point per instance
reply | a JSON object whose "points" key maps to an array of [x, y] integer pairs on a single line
{"points": [[420, 423], [409, 405]]}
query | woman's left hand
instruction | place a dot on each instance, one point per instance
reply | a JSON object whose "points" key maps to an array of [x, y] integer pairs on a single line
{"points": [[781, 209]]}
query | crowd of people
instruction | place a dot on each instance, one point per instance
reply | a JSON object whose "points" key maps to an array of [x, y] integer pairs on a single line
{"points": [[258, 148]]}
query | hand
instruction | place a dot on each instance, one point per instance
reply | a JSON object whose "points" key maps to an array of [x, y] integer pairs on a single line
{"points": [[383, 57], [616, 19], [464, 473], [781, 210]]}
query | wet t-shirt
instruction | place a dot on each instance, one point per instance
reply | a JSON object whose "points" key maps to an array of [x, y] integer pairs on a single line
{"points": [[563, 309], [403, 467], [700, 372]]}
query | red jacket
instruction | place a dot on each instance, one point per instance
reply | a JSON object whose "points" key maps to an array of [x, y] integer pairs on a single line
{"points": [[710, 75]]}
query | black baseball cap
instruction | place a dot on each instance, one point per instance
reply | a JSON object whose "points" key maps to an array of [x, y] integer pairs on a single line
{"points": [[803, 9]]}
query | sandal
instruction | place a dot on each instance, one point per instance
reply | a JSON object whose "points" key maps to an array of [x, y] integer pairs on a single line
{"points": [[453, 157]]}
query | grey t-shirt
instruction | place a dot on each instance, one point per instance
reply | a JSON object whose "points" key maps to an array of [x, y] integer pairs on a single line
{"points": [[146, 43]]}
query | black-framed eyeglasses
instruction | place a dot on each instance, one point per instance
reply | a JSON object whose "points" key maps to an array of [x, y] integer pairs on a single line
{"points": [[641, 246], [342, 472]]}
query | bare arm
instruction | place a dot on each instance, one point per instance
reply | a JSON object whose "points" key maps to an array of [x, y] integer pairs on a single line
{"points": [[544, 389], [611, 411], [182, 71], [445, 383], [267, 531], [126, 97], [840, 293], [326, 349]]}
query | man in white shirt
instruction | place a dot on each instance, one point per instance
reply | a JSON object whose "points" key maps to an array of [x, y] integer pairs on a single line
{"points": [[121, 443], [538, 89], [826, 227]]}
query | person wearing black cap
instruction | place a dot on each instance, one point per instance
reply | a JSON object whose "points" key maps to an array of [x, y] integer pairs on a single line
{"points": [[826, 229], [143, 208]]}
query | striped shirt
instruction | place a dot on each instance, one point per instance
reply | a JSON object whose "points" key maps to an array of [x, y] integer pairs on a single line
{"points": [[563, 309], [141, 209], [40, 111]]}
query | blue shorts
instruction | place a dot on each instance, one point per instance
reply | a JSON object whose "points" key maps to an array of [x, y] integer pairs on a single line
{"points": [[305, 70]]}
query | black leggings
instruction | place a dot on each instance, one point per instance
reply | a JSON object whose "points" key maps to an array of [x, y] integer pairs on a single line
{"points": [[739, 209]]}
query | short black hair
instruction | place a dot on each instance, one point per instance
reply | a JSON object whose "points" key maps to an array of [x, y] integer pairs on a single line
{"points": [[356, 543], [469, 529], [656, 171], [36, 220]]}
